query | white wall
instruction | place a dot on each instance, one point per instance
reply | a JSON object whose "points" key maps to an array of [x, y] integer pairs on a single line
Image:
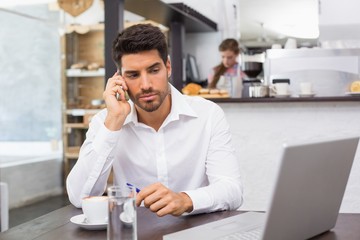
{"points": [[207, 55], [335, 12], [339, 23], [259, 130]]}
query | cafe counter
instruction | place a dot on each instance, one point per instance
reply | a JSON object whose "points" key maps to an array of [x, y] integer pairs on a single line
{"points": [[287, 99], [260, 127]]}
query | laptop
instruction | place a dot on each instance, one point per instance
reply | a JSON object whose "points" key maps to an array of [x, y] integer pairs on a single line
{"points": [[306, 196]]}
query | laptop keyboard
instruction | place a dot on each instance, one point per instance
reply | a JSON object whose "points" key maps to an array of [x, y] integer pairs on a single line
{"points": [[253, 234]]}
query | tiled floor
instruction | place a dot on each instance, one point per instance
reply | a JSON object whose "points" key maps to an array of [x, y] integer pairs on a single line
{"points": [[23, 214]]}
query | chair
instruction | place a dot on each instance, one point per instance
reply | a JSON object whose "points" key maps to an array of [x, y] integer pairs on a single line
{"points": [[4, 207]]}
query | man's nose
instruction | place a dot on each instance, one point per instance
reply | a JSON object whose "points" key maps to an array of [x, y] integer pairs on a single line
{"points": [[145, 81]]}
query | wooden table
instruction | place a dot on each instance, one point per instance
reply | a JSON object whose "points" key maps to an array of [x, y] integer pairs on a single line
{"points": [[57, 225]]}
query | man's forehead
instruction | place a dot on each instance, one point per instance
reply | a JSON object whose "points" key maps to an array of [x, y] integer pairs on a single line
{"points": [[142, 54], [139, 61]]}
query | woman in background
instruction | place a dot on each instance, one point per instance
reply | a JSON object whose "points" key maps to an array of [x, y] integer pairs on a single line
{"points": [[229, 51]]}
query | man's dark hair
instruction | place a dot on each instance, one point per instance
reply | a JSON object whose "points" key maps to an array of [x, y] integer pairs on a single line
{"points": [[139, 38]]}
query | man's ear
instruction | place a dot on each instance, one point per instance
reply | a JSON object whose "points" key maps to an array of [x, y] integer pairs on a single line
{"points": [[168, 66]]}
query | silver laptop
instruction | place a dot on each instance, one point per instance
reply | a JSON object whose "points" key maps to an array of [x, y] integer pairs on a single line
{"points": [[306, 197]]}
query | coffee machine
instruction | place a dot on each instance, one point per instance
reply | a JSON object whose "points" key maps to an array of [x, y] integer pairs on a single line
{"points": [[252, 71]]}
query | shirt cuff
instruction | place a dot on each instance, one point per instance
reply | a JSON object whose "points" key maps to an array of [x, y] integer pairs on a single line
{"points": [[202, 201]]}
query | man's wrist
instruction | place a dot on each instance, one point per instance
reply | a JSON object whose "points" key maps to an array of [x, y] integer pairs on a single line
{"points": [[113, 123], [187, 202]]}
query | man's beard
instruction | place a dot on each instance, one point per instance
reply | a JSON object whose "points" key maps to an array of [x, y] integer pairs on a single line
{"points": [[150, 106]]}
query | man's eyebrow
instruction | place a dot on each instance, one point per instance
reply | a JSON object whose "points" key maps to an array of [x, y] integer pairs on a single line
{"points": [[130, 71], [157, 64]]}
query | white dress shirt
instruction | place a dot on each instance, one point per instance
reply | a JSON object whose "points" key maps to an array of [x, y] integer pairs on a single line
{"points": [[191, 152]]}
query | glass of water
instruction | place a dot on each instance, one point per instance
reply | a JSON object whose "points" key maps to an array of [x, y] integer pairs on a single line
{"points": [[122, 222]]}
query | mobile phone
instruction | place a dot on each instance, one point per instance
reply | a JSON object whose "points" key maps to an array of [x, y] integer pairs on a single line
{"points": [[126, 96], [126, 93]]}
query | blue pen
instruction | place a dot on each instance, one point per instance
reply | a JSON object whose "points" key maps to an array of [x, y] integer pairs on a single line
{"points": [[131, 187]]}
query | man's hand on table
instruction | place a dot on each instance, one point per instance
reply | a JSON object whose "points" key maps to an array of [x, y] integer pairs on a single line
{"points": [[162, 201]]}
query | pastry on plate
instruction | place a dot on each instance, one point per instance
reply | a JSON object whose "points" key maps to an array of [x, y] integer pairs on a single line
{"points": [[214, 91], [204, 91], [191, 89], [79, 65], [355, 86], [224, 92], [93, 66]]}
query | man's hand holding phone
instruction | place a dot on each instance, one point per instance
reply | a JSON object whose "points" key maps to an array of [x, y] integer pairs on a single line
{"points": [[115, 97]]}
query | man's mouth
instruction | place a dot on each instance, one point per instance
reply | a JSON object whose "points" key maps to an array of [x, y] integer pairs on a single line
{"points": [[148, 97]]}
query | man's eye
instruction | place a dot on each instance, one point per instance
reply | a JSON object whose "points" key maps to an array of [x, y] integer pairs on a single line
{"points": [[132, 76], [155, 70]]}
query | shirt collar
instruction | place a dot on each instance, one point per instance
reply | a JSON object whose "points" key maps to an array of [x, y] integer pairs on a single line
{"points": [[179, 106]]}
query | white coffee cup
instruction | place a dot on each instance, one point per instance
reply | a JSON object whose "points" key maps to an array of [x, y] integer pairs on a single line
{"points": [[306, 88], [280, 88], [276, 46], [95, 209], [290, 43]]}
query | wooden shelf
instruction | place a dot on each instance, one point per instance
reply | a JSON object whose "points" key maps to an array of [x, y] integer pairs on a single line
{"points": [[80, 44], [81, 111], [85, 73], [83, 29], [77, 125]]}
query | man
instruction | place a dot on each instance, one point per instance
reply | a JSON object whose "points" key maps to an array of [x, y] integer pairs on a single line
{"points": [[175, 148]]}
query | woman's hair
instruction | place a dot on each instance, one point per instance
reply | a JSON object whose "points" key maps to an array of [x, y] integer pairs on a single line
{"points": [[229, 44], [139, 38]]}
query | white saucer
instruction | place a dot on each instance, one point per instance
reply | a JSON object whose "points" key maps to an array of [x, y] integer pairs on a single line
{"points": [[282, 95], [353, 93], [306, 95], [127, 222], [79, 220]]}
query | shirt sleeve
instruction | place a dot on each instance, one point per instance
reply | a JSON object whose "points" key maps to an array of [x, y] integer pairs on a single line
{"points": [[89, 175], [225, 191]]}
